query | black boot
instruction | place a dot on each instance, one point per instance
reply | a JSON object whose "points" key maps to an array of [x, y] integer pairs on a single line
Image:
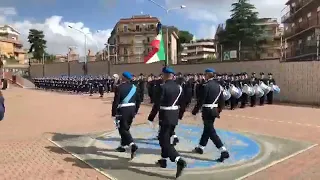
{"points": [[224, 155], [134, 149], [120, 149], [181, 165], [162, 163], [197, 150]]}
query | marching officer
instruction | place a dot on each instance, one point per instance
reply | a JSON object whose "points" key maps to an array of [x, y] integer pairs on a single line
{"points": [[270, 82], [233, 100], [124, 110], [167, 105], [244, 97], [212, 103]]}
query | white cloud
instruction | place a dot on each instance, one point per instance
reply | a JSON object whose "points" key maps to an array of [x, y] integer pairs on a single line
{"points": [[217, 11], [57, 33]]}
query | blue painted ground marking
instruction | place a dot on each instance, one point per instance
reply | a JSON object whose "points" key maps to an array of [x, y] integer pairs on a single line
{"points": [[241, 148]]}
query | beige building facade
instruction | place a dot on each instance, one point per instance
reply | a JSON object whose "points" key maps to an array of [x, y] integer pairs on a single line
{"points": [[10, 46], [301, 21], [198, 50], [131, 38]]}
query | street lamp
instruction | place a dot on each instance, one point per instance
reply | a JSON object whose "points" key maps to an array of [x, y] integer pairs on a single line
{"points": [[85, 42], [108, 51], [167, 32]]}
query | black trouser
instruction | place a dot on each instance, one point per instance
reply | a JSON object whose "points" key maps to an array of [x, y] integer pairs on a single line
{"points": [[233, 102], [100, 89], [167, 149], [270, 97], [126, 115], [262, 99], [209, 130], [253, 100], [244, 100]]}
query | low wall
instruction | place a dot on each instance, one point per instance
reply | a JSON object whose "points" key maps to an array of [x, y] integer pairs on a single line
{"points": [[299, 81]]}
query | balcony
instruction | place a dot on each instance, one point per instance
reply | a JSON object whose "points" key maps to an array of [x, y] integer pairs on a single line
{"points": [[137, 31], [289, 16], [130, 42], [16, 42], [199, 49], [306, 50], [305, 25]]}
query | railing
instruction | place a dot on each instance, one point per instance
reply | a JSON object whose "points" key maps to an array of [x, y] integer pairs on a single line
{"points": [[307, 49], [135, 31], [292, 10], [304, 25]]}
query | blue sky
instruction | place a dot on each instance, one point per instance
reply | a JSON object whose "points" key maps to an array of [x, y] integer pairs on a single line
{"points": [[200, 17], [102, 14]]}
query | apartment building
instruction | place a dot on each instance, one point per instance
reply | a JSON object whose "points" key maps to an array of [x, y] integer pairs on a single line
{"points": [[131, 37], [198, 50], [10, 46], [271, 38], [301, 21]]}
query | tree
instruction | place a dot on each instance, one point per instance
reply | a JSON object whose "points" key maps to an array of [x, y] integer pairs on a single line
{"points": [[184, 37], [241, 27], [38, 43]]}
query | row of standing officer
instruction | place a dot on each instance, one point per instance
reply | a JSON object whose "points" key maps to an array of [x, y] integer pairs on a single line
{"points": [[242, 79], [77, 84]]}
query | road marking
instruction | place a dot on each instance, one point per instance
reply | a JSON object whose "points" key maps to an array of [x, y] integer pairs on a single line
{"points": [[276, 162], [81, 159], [271, 120]]}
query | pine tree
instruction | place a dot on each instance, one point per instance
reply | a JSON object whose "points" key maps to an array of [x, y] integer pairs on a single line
{"points": [[38, 43], [241, 26]]}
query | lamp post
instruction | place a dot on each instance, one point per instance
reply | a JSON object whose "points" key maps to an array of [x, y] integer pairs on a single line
{"points": [[167, 31], [108, 51], [85, 47]]}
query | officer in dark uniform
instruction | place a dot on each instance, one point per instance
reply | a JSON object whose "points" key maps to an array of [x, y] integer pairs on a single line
{"points": [[270, 82], [244, 97], [141, 84], [212, 103], [101, 86], [167, 105], [233, 100], [262, 79], [253, 82], [124, 110]]}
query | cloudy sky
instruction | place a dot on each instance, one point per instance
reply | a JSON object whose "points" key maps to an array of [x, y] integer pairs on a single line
{"points": [[98, 17]]}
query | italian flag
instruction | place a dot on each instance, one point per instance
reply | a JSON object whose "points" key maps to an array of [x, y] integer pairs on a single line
{"points": [[158, 52]]}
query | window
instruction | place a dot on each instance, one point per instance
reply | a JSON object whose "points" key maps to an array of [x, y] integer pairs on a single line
{"points": [[300, 41], [309, 38], [125, 51], [309, 14], [125, 28], [148, 39], [152, 25], [137, 28]]}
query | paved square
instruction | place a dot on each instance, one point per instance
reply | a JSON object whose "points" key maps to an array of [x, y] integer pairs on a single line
{"points": [[248, 153]]}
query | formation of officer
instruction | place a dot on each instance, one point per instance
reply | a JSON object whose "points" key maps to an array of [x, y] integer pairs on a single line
{"points": [[124, 110], [77, 84]]}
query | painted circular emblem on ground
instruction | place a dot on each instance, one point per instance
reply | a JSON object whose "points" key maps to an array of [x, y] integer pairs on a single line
{"points": [[242, 148]]}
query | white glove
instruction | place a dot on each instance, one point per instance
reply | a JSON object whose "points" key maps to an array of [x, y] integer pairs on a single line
{"points": [[116, 122]]}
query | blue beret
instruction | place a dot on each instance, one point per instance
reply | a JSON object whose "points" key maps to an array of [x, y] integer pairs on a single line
{"points": [[209, 70], [167, 70], [127, 75]]}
